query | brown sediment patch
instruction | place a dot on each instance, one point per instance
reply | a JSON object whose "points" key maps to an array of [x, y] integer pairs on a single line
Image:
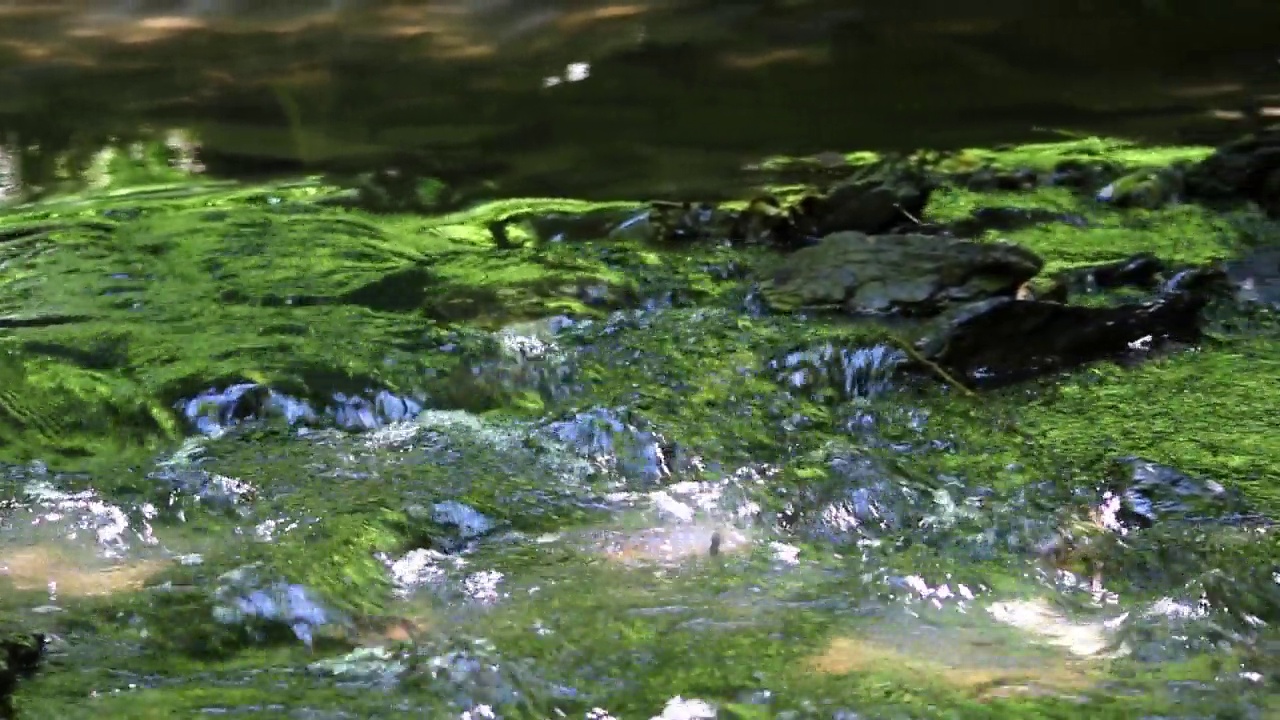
{"points": [[394, 629], [1057, 676], [774, 57], [31, 51], [669, 544], [584, 18], [35, 567]]}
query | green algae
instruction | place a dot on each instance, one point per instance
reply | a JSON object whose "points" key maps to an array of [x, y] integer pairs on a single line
{"points": [[1182, 234], [1050, 155], [267, 284]]}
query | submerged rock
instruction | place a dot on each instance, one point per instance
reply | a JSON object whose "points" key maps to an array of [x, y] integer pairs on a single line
{"points": [[912, 273], [473, 674], [465, 523], [847, 373], [213, 411], [601, 434], [1150, 492], [246, 600], [1256, 277], [374, 665], [848, 496]]}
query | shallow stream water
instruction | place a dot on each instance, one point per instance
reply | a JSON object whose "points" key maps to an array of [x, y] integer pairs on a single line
{"points": [[283, 436]]}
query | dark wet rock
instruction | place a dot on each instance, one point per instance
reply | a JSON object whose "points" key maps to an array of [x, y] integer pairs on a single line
{"points": [[990, 179], [686, 222], [1002, 339], [520, 229], [1082, 175], [1008, 219], [1149, 189], [354, 412], [872, 201], [909, 273], [876, 199], [20, 658], [1200, 281], [1140, 271], [1150, 492], [571, 227], [840, 372], [1247, 169]]}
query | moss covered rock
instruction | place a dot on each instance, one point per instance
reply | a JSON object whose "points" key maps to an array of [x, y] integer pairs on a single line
{"points": [[913, 273]]}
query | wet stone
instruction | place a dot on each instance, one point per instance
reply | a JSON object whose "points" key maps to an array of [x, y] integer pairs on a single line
{"points": [[246, 599], [1151, 492], [909, 273], [1004, 340], [846, 373], [214, 411], [472, 673], [465, 522], [855, 497], [374, 665], [603, 435], [1142, 271]]}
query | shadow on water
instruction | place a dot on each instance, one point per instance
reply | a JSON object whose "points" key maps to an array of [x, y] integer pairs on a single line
{"points": [[611, 99]]}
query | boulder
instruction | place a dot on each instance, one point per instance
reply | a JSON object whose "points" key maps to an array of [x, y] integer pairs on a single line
{"points": [[915, 274]]}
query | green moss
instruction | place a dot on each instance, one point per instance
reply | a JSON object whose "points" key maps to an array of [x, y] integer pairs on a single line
{"points": [[1202, 412], [1087, 232], [48, 406], [1046, 156]]}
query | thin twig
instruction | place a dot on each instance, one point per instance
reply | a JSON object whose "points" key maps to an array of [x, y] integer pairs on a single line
{"points": [[933, 366]]}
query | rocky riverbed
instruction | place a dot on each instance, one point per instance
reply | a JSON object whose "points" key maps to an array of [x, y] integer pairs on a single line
{"points": [[981, 434]]}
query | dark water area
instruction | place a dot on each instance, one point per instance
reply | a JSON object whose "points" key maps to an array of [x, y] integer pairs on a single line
{"points": [[609, 99]]}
